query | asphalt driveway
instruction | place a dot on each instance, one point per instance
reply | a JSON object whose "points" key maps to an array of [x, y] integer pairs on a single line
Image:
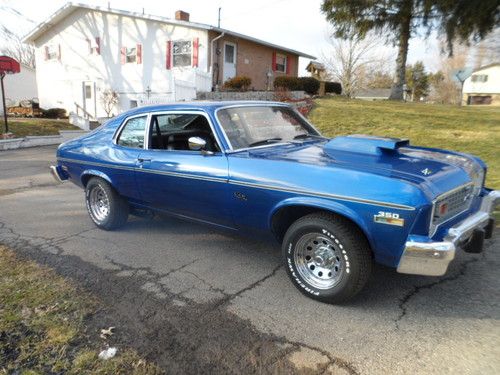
{"points": [[197, 300]]}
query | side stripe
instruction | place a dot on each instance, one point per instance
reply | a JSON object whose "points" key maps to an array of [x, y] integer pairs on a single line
{"points": [[248, 184]]}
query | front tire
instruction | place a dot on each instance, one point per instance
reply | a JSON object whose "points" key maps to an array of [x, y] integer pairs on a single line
{"points": [[327, 257], [107, 209]]}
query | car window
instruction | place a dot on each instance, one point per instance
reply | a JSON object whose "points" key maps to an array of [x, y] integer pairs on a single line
{"points": [[172, 131], [132, 134], [254, 125]]}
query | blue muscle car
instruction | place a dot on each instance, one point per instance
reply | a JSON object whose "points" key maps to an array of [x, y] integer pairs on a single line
{"points": [[336, 205]]}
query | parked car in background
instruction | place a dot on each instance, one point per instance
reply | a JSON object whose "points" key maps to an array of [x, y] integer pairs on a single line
{"points": [[336, 205]]}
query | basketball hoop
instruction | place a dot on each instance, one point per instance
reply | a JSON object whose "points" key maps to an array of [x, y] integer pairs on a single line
{"points": [[7, 66]]}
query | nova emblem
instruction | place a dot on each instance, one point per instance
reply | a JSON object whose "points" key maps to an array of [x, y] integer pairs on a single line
{"points": [[426, 171]]}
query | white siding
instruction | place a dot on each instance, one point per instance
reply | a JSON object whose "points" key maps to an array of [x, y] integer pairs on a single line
{"points": [[20, 86], [491, 86], [60, 82]]}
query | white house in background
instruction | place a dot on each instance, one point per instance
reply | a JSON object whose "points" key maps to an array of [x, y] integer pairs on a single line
{"points": [[20, 86], [82, 50], [483, 86]]}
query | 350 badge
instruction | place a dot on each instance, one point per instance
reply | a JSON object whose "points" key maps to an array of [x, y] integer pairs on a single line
{"points": [[389, 218]]}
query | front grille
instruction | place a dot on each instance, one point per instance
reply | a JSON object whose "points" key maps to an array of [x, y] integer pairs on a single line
{"points": [[456, 201]]}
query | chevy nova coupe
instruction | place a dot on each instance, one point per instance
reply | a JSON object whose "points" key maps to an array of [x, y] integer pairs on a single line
{"points": [[260, 168]]}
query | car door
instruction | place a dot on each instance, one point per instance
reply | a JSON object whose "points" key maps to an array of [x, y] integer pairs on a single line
{"points": [[181, 181]]}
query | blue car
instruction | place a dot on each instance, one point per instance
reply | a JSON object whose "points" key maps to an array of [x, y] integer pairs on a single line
{"points": [[260, 168]]}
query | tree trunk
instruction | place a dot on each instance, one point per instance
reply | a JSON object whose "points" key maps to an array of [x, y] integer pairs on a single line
{"points": [[399, 81]]}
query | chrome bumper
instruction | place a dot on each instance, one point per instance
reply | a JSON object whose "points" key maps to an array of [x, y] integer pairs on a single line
{"points": [[55, 173], [433, 258]]}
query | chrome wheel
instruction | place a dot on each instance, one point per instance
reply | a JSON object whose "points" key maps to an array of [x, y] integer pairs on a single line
{"points": [[99, 203], [319, 260]]}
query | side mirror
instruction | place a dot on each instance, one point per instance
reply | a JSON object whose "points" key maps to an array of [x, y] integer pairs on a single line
{"points": [[196, 143]]}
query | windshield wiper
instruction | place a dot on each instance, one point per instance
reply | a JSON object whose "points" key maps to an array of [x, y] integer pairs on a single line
{"points": [[264, 141], [307, 135]]}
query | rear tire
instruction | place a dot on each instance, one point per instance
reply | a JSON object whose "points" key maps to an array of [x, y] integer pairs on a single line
{"points": [[107, 209], [327, 257]]}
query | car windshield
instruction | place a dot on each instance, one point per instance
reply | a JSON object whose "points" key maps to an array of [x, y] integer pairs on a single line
{"points": [[252, 126]]}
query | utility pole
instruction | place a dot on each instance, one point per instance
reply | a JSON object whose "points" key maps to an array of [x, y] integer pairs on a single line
{"points": [[218, 22], [2, 75]]}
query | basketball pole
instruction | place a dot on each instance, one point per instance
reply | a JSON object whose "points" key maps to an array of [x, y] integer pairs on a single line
{"points": [[2, 75]]}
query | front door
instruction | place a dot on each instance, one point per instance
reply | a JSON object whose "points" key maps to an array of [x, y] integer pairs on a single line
{"points": [[184, 182], [229, 60], [89, 98]]}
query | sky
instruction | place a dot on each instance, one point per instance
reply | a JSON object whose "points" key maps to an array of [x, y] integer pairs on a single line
{"points": [[295, 24]]}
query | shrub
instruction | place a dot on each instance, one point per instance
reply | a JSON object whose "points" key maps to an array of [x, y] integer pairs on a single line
{"points": [[54, 113], [333, 87], [240, 83], [310, 85], [287, 83]]}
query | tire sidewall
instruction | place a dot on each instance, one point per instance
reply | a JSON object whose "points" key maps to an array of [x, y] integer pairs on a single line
{"points": [[290, 247], [105, 188]]}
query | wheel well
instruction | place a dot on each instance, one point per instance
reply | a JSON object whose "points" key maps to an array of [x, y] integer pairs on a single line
{"points": [[86, 178], [286, 216]]}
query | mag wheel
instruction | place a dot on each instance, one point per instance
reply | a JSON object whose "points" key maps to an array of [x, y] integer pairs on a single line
{"points": [[107, 209], [326, 257]]}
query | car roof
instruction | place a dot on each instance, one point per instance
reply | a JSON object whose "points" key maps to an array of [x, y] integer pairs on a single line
{"points": [[208, 106]]}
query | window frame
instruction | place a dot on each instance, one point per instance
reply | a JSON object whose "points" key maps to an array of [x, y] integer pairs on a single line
{"points": [[55, 49], [176, 54], [119, 130], [284, 65], [182, 112]]}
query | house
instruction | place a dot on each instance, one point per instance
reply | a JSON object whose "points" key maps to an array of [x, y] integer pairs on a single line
{"points": [[18, 87], [373, 94], [483, 86], [83, 50]]}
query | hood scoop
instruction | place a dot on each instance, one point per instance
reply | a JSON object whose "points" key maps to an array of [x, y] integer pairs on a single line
{"points": [[364, 144]]}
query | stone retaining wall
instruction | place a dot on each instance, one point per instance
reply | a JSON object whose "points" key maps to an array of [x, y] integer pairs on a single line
{"points": [[34, 141], [246, 95]]}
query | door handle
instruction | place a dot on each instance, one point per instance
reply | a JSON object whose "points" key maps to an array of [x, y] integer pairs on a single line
{"points": [[142, 160]]}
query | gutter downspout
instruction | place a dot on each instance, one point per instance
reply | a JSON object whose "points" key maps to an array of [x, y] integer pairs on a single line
{"points": [[212, 53]]}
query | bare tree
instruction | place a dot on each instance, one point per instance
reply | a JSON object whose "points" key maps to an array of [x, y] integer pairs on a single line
{"points": [[445, 87], [487, 51], [349, 60], [109, 99], [15, 48]]}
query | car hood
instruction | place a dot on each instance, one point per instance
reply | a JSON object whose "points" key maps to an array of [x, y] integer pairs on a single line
{"points": [[435, 171]]}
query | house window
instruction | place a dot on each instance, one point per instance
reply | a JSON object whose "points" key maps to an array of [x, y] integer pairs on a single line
{"points": [[479, 78], [181, 52], [94, 46], [51, 52], [131, 55], [281, 61], [88, 92]]}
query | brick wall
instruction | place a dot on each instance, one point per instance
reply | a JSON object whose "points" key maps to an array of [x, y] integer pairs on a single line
{"points": [[252, 60]]}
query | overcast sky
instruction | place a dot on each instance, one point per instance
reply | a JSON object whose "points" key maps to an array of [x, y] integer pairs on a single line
{"points": [[296, 24]]}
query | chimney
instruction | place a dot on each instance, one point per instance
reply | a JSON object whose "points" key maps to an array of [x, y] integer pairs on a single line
{"points": [[182, 16]]}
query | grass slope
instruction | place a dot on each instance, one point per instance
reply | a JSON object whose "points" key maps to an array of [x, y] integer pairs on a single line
{"points": [[474, 130], [42, 325], [36, 126]]}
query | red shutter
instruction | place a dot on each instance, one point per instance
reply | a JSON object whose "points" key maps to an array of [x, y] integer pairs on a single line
{"points": [[98, 45], [288, 65], [196, 45], [123, 55], [274, 61], [59, 52], [139, 54], [46, 52], [169, 55]]}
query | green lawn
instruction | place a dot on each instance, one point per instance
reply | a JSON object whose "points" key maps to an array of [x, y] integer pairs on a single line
{"points": [[474, 130], [36, 126]]}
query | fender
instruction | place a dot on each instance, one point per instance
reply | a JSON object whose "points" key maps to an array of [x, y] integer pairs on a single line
{"points": [[324, 204], [95, 172]]}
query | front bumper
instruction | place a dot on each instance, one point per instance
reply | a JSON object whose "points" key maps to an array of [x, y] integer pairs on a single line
{"points": [[58, 173], [433, 258]]}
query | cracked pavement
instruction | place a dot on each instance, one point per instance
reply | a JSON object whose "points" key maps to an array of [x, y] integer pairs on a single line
{"points": [[194, 299]]}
